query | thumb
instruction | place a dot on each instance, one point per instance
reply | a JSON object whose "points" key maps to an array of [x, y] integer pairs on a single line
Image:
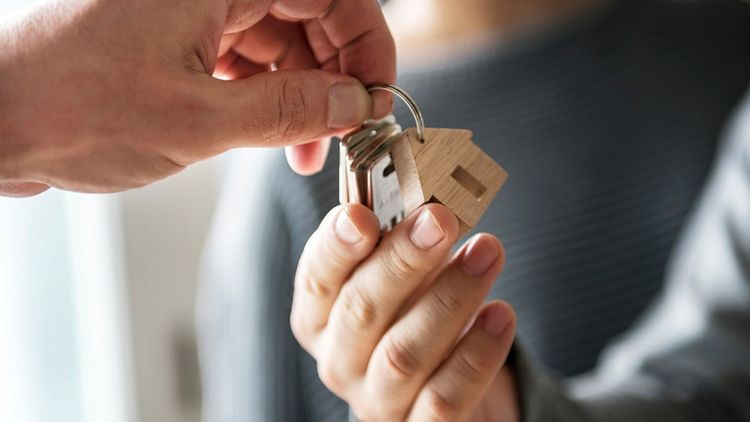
{"points": [[288, 107], [21, 189]]}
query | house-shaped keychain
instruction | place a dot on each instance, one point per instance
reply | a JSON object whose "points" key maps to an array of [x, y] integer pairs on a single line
{"points": [[446, 167]]}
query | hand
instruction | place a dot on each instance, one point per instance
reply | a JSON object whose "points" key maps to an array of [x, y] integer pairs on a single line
{"points": [[106, 95], [398, 328]]}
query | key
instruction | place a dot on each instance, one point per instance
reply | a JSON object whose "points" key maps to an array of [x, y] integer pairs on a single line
{"points": [[393, 172], [446, 167], [366, 172]]}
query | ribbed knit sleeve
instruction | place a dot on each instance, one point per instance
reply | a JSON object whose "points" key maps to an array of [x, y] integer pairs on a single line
{"points": [[689, 357]]}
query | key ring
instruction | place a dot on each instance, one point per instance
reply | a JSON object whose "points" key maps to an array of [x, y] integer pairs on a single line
{"points": [[413, 107]]}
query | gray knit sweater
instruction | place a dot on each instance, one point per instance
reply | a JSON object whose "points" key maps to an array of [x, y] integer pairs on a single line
{"points": [[608, 127]]}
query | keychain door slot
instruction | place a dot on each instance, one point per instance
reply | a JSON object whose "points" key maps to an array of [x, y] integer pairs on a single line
{"points": [[469, 182]]}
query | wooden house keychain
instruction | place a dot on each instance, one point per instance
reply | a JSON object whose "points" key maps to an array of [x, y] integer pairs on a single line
{"points": [[394, 172]]}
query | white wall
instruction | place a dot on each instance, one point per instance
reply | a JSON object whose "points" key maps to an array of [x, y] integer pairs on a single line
{"points": [[97, 299], [164, 227]]}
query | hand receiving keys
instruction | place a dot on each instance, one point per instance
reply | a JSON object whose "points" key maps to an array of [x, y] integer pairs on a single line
{"points": [[399, 329]]}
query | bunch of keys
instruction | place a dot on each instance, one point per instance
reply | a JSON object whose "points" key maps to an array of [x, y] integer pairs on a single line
{"points": [[393, 172]]}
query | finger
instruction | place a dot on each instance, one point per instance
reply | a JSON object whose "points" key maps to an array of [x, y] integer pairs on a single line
{"points": [[345, 237], [286, 45], [308, 159], [21, 189], [320, 45], [243, 14], [376, 291], [223, 62], [416, 345], [359, 32], [227, 41], [454, 391], [273, 109], [273, 41], [232, 66]]}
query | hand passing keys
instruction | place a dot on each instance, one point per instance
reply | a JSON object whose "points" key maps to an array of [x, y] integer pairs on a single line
{"points": [[387, 323]]}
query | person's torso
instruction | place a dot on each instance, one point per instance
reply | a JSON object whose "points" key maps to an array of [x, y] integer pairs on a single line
{"points": [[607, 130]]}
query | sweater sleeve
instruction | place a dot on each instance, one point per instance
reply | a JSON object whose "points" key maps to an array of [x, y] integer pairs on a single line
{"points": [[688, 358], [245, 298]]}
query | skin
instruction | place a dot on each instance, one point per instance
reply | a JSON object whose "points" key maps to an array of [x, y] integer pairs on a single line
{"points": [[398, 328], [106, 95]]}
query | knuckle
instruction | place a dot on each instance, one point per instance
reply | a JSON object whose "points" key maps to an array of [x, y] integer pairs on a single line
{"points": [[329, 375], [359, 308], [167, 166], [337, 256], [295, 323], [396, 266], [362, 411], [314, 287], [448, 301], [301, 328], [469, 369], [439, 406], [401, 363], [290, 109], [298, 329]]}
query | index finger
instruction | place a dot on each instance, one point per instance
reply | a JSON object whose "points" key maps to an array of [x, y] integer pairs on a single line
{"points": [[357, 28], [345, 237]]}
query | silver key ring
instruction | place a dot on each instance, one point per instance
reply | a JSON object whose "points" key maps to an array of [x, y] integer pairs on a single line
{"points": [[413, 107]]}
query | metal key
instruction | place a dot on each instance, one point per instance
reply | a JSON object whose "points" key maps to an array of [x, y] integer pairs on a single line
{"points": [[366, 171], [367, 175], [430, 165]]}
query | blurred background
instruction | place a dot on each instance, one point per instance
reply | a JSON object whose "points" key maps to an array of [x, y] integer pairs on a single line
{"points": [[97, 299], [98, 292]]}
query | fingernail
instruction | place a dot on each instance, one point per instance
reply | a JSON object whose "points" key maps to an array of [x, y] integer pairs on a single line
{"points": [[345, 228], [348, 105], [480, 255], [495, 321], [426, 231]]}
